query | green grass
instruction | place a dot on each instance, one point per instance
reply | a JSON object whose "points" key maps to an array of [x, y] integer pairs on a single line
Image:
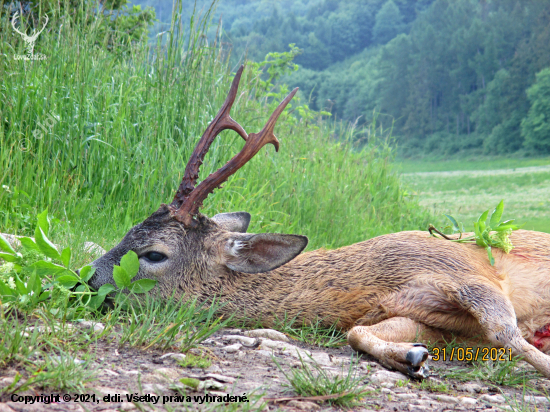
{"points": [[308, 380], [466, 189]]}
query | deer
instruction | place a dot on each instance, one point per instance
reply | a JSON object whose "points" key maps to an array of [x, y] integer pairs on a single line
{"points": [[392, 294]]}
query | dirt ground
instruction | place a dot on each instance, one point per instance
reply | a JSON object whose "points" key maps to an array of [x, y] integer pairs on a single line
{"points": [[246, 366]]}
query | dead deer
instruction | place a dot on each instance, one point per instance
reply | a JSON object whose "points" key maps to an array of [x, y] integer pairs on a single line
{"points": [[387, 291]]}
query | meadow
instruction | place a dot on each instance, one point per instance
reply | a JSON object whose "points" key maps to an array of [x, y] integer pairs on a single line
{"points": [[466, 188]]}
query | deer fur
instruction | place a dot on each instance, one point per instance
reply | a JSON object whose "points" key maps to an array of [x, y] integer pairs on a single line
{"points": [[386, 291]]}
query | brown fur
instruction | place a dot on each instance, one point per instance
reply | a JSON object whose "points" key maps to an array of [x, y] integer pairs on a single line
{"points": [[393, 288]]}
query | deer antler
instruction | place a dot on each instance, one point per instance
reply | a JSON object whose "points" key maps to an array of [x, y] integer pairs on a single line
{"points": [[14, 18], [189, 199]]}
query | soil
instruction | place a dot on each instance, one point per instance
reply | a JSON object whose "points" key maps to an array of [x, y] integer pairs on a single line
{"points": [[244, 366]]}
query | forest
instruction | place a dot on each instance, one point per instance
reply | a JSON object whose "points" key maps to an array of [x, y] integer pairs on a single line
{"points": [[448, 75]]}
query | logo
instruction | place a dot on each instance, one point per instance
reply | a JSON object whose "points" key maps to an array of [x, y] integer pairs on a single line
{"points": [[30, 40]]}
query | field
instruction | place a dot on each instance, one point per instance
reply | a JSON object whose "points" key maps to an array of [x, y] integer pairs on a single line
{"points": [[464, 189]]}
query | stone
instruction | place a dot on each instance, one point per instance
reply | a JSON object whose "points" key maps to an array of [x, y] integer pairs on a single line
{"points": [[127, 406], [470, 388], [104, 390], [232, 348], [210, 384], [492, 398], [447, 398], [167, 373], [5, 408], [467, 401], [94, 326], [321, 358], [242, 339], [304, 405], [267, 333], [221, 378], [286, 348], [387, 377], [213, 369], [154, 388], [176, 356], [94, 249], [405, 396]]}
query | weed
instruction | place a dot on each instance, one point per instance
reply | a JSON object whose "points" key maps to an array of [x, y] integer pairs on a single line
{"points": [[313, 380], [499, 372], [195, 361]]}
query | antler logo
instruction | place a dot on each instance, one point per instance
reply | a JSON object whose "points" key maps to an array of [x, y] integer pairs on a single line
{"points": [[30, 40]]}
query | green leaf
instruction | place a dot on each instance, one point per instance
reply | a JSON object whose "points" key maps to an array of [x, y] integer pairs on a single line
{"points": [[130, 263], [506, 222], [46, 247], [86, 273], [29, 244], [20, 286], [68, 281], [102, 293], [5, 246], [506, 227], [43, 222], [490, 254], [9, 258], [191, 382], [105, 289], [479, 236], [121, 277], [496, 215], [48, 268], [456, 228], [142, 285], [66, 257], [44, 296], [5, 290], [481, 222]]}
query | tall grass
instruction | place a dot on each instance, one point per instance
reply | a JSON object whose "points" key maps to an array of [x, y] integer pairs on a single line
{"points": [[126, 122]]}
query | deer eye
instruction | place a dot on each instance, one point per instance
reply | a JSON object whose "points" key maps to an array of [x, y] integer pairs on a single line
{"points": [[154, 256]]}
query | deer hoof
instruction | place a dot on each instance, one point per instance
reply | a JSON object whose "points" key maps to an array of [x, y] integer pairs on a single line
{"points": [[415, 358]]}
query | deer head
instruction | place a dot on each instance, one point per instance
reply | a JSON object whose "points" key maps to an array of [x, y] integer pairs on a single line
{"points": [[30, 40], [189, 253]]}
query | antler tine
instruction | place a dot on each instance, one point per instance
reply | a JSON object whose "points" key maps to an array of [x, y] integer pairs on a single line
{"points": [[221, 122], [14, 18], [253, 144]]}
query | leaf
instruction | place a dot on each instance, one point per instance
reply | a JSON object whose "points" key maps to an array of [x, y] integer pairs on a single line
{"points": [[66, 257], [481, 222], [496, 215], [68, 281], [86, 273], [45, 295], [490, 254], [142, 285], [454, 222], [5, 246], [191, 382], [9, 258], [121, 277], [103, 291], [48, 268], [506, 227], [43, 222], [130, 263], [20, 286], [44, 244], [479, 236], [5, 290], [29, 244]]}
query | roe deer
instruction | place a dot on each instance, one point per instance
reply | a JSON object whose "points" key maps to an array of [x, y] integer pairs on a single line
{"points": [[387, 291]]}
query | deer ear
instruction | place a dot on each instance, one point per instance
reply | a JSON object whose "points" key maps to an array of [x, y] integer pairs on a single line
{"points": [[233, 222], [261, 253]]}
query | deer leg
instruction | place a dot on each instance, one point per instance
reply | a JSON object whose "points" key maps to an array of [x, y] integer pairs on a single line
{"points": [[386, 342], [497, 317]]}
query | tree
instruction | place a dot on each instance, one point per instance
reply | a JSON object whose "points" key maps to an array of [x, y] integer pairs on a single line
{"points": [[388, 23], [535, 128]]}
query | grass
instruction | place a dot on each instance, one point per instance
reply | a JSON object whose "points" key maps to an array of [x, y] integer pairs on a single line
{"points": [[310, 380], [467, 188], [195, 361], [498, 372]]}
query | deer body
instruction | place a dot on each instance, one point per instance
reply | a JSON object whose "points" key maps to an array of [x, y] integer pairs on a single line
{"points": [[387, 291]]}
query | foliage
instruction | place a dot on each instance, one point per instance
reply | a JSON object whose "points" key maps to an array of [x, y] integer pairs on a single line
{"points": [[482, 231], [536, 126], [26, 284], [450, 76]]}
